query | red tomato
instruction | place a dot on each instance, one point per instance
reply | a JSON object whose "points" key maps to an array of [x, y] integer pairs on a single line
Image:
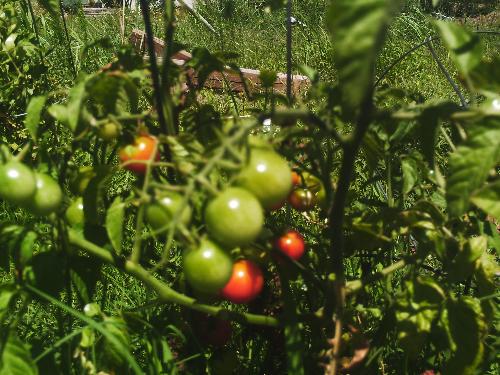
{"points": [[245, 284], [292, 244], [141, 150]]}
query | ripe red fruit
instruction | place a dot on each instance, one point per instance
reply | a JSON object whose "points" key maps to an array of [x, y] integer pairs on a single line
{"points": [[292, 244], [141, 150], [245, 284], [296, 180]]}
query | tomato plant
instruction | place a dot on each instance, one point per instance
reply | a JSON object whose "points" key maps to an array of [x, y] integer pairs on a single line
{"points": [[245, 284], [234, 218], [292, 244], [207, 268], [394, 192], [144, 149]]}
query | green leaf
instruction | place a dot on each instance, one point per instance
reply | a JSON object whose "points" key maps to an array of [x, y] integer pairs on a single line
{"points": [[410, 174], [488, 199], [114, 223], [466, 328], [34, 110], [112, 354], [26, 249], [16, 358], [7, 294], [358, 29], [463, 264], [293, 332], [465, 46], [77, 96], [471, 163]]}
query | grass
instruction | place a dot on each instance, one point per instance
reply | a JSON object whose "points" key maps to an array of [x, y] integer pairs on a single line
{"points": [[259, 39]]}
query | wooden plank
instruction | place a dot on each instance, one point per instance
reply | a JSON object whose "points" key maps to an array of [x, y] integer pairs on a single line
{"points": [[216, 79]]}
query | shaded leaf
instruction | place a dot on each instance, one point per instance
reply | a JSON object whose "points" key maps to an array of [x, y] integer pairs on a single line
{"points": [[114, 223], [34, 111], [410, 174], [15, 358], [465, 328]]}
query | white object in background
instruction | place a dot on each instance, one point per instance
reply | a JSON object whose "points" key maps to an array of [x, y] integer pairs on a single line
{"points": [[190, 3]]}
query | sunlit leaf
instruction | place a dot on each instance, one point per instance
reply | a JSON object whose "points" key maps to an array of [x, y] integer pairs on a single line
{"points": [[488, 199], [34, 111], [465, 46], [15, 358], [471, 163], [358, 29]]}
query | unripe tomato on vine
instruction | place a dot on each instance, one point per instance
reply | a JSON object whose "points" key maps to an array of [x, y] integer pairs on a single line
{"points": [[163, 210], [141, 150], [108, 131], [234, 218], [245, 284], [17, 183], [292, 244], [207, 268], [48, 196], [267, 176], [74, 213]]}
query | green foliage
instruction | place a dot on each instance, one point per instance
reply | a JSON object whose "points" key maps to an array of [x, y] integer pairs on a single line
{"points": [[401, 236]]}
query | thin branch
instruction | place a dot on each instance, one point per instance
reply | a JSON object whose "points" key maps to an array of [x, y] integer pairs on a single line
{"points": [[446, 74], [336, 223], [165, 293], [356, 285], [155, 74], [68, 41]]}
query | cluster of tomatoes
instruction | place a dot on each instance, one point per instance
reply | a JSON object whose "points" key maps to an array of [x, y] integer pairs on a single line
{"points": [[36, 192], [234, 218]]}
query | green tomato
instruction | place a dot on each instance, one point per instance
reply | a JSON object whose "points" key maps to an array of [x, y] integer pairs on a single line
{"points": [[267, 176], [234, 218], [17, 183], [74, 213], [48, 196], [108, 131], [159, 214], [79, 183], [207, 268]]}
